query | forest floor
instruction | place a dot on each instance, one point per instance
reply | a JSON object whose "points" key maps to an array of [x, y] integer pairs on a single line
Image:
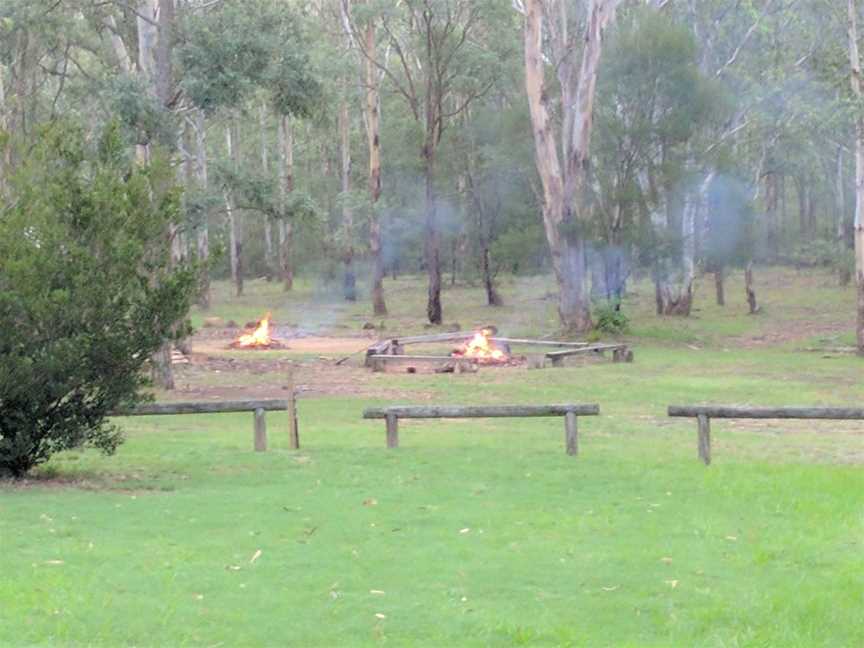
{"points": [[474, 532]]}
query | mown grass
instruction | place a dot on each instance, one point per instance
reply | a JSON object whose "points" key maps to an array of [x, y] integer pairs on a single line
{"points": [[473, 532]]}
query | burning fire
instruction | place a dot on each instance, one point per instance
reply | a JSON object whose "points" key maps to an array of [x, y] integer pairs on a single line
{"points": [[260, 337], [483, 348]]}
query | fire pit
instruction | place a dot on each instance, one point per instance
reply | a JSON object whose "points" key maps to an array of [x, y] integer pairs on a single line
{"points": [[258, 337], [484, 349]]}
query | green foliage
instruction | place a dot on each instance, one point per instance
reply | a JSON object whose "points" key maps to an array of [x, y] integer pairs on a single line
{"points": [[609, 318], [238, 46], [86, 295]]}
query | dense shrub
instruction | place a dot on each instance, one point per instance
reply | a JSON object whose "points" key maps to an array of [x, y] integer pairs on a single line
{"points": [[609, 318], [86, 292]]}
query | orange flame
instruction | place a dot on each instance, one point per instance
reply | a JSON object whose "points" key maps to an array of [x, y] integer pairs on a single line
{"points": [[258, 338], [482, 348]]}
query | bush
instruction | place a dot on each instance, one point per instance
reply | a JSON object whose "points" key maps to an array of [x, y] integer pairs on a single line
{"points": [[86, 293], [609, 318]]}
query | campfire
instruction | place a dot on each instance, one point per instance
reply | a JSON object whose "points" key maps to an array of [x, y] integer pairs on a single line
{"points": [[258, 337], [483, 349]]}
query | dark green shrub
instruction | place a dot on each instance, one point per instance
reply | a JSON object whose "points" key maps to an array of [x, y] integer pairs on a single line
{"points": [[609, 318], [86, 293]]}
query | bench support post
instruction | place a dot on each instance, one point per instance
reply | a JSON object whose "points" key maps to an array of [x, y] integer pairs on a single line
{"points": [[392, 431], [704, 439], [571, 433], [260, 430], [293, 432]]}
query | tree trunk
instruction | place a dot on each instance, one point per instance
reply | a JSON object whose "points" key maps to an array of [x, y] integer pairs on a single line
{"points": [[5, 161], [719, 289], [269, 260], [564, 187], [492, 296], [203, 226], [844, 273], [157, 80], [235, 236], [373, 125], [855, 65], [432, 239], [750, 289], [349, 280], [286, 186], [772, 214]]}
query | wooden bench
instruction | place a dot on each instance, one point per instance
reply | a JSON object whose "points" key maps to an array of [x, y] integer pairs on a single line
{"points": [[258, 407], [620, 353], [392, 415], [704, 414]]}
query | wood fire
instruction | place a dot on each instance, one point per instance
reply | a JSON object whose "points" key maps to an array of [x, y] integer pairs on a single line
{"points": [[259, 338], [483, 348]]}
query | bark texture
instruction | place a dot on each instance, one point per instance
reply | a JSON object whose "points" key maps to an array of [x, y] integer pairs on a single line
{"points": [[855, 65], [373, 137], [286, 186], [565, 185]]}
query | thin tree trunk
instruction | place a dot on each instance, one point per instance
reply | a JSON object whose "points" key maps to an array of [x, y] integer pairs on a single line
{"points": [[269, 262], [719, 289], [235, 240], [349, 279], [844, 273], [432, 239], [203, 226], [5, 149], [750, 289], [492, 296], [373, 126], [286, 186], [771, 214], [855, 76]]}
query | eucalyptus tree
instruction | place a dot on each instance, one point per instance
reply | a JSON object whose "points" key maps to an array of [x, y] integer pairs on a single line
{"points": [[231, 49], [445, 56], [574, 43], [858, 95]]}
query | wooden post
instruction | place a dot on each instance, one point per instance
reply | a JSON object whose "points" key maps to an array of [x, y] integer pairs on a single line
{"points": [[704, 439], [260, 430], [392, 431], [571, 433], [293, 431]]}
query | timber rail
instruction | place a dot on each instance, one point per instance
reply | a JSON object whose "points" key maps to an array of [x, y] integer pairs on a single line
{"points": [[570, 413], [704, 414], [257, 407]]}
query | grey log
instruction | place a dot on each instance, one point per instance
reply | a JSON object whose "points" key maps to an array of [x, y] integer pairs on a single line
{"points": [[479, 411], [552, 343], [596, 348], [571, 434], [704, 439], [260, 430], [392, 431], [187, 407], [725, 411], [419, 358]]}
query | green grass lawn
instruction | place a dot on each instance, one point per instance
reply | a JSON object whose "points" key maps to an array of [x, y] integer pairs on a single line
{"points": [[474, 532]]}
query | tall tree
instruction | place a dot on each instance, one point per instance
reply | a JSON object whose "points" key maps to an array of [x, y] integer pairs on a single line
{"points": [[858, 93], [443, 66], [565, 186]]}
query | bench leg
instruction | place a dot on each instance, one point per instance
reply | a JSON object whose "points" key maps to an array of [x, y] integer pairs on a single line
{"points": [[557, 362], [705, 439], [571, 433], [392, 431], [260, 430]]}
